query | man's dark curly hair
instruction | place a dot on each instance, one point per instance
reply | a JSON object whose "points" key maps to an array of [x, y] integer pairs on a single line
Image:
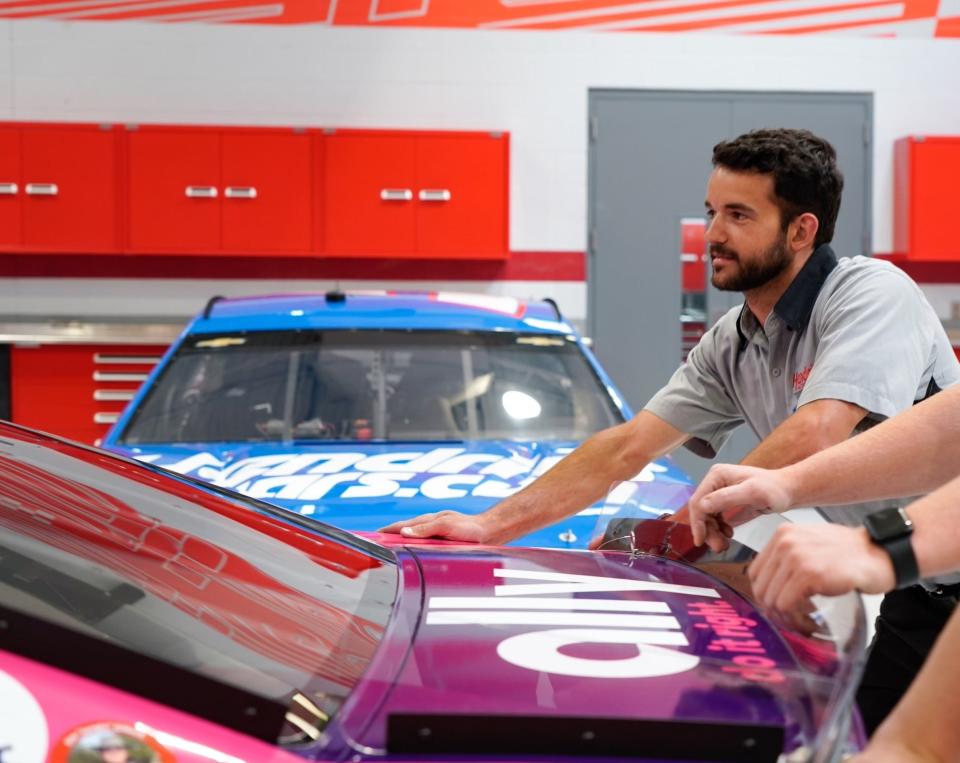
{"points": [[804, 169]]}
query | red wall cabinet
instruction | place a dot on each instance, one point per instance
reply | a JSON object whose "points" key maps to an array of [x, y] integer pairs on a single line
{"points": [[368, 199], [59, 188], [220, 191], [76, 391], [11, 180], [253, 191], [268, 182], [174, 181], [925, 177], [424, 195]]}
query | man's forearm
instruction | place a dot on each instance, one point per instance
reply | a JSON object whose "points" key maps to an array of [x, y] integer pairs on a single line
{"points": [[924, 725], [912, 453], [583, 477], [936, 529], [811, 429]]}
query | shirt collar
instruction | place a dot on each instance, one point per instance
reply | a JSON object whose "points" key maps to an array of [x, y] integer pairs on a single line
{"points": [[796, 305]]}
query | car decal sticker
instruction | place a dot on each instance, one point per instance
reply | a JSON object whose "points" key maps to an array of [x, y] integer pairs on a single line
{"points": [[109, 742], [440, 474], [23, 727], [648, 626]]}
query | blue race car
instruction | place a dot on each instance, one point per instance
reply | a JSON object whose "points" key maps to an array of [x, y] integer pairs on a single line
{"points": [[364, 408]]}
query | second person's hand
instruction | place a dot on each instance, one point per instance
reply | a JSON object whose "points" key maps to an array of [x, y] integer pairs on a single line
{"points": [[731, 495]]}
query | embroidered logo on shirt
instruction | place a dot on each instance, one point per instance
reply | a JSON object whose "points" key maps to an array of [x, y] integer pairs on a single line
{"points": [[800, 379]]}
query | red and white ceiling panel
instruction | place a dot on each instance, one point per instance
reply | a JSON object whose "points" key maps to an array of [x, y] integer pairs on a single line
{"points": [[877, 18]]}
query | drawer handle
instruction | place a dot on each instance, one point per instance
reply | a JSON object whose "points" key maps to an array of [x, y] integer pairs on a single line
{"points": [[240, 192], [113, 395], [113, 376], [102, 417], [396, 194], [9, 189], [201, 192], [42, 189], [434, 194]]}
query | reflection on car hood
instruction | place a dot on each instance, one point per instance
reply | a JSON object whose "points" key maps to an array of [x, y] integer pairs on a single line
{"points": [[539, 633], [363, 486]]}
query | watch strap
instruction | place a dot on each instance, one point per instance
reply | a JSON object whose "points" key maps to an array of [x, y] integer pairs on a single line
{"points": [[905, 567]]}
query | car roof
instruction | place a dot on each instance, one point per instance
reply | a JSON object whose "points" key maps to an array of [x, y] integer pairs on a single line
{"points": [[381, 310]]}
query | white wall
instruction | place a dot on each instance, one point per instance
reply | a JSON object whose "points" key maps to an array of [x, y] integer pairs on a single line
{"points": [[533, 84]]}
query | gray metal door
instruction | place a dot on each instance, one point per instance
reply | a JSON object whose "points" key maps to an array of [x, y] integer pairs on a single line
{"points": [[649, 161]]}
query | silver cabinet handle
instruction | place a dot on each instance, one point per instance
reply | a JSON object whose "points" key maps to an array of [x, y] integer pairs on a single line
{"points": [[434, 194], [105, 395], [201, 191], [9, 189], [396, 194], [240, 192], [42, 189]]}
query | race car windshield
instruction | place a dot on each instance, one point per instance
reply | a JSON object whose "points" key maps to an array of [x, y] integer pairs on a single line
{"points": [[374, 385], [142, 581]]}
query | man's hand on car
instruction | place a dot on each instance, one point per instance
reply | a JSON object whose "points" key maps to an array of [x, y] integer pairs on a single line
{"points": [[445, 525]]}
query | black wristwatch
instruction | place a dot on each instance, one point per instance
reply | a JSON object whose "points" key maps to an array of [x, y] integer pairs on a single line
{"points": [[891, 529]]}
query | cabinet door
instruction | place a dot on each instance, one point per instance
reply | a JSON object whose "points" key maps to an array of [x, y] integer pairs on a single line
{"points": [[11, 187], [174, 181], [369, 195], [69, 188], [462, 196], [933, 178], [267, 192]]}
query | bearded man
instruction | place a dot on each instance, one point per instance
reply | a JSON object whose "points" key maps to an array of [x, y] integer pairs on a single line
{"points": [[820, 349]]}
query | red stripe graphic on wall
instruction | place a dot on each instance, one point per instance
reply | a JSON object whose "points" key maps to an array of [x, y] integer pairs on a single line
{"points": [[877, 18]]}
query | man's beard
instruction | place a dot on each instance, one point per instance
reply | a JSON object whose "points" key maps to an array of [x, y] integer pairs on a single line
{"points": [[755, 273]]}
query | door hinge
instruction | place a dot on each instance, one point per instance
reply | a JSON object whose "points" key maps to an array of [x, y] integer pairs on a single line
{"points": [[592, 241], [866, 134], [594, 128]]}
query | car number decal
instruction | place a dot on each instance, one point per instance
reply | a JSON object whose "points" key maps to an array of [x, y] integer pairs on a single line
{"points": [[23, 727], [647, 625]]}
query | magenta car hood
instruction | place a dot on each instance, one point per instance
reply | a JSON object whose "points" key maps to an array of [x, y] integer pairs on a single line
{"points": [[495, 648]]}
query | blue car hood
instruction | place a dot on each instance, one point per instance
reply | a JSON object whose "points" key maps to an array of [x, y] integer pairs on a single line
{"points": [[363, 486]]}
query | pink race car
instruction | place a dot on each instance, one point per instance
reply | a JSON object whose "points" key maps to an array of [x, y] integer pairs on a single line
{"points": [[148, 618]]}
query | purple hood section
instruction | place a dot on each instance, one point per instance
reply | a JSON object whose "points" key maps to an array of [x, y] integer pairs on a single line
{"points": [[536, 633]]}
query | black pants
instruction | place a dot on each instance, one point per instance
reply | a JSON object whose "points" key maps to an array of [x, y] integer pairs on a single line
{"points": [[909, 623]]}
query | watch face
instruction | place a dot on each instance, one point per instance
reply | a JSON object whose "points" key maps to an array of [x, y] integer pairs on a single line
{"points": [[888, 524]]}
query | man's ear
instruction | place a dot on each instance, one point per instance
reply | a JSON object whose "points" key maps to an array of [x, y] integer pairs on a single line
{"points": [[803, 231]]}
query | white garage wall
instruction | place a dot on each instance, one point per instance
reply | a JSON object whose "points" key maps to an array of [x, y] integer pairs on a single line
{"points": [[533, 84]]}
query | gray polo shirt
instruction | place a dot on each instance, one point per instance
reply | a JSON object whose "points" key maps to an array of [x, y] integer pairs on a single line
{"points": [[858, 330]]}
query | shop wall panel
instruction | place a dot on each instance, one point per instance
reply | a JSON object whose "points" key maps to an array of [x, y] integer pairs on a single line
{"points": [[267, 192], [369, 190], [461, 196], [11, 187], [69, 201], [916, 18], [174, 196]]}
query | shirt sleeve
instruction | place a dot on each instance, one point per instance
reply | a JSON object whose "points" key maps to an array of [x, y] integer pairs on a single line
{"points": [[875, 336], [696, 400]]}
